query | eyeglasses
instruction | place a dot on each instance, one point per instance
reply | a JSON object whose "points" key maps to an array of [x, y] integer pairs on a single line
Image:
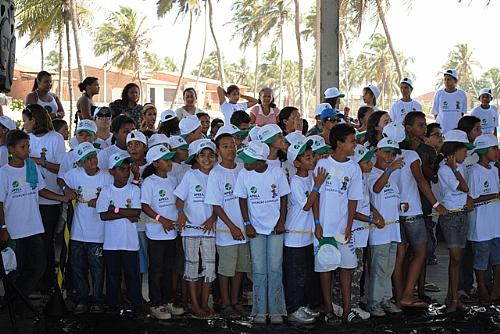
{"points": [[437, 135], [101, 116], [332, 119]]}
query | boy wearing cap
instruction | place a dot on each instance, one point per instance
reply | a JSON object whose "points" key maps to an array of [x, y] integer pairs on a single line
{"points": [[242, 121], [329, 118], [262, 192], [483, 233], [343, 187], [406, 104], [487, 113], [450, 103], [232, 246], [316, 129], [385, 197], [85, 133], [190, 129], [121, 126], [272, 135], [119, 206], [6, 124], [196, 221], [320, 148], [370, 95], [102, 118], [87, 229]]}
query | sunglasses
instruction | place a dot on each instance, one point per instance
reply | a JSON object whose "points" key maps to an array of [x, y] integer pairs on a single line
{"points": [[332, 119], [106, 115]]}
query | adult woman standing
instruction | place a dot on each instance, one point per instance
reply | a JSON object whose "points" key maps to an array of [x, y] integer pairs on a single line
{"points": [[265, 112], [128, 104], [40, 94], [85, 105], [189, 108]]}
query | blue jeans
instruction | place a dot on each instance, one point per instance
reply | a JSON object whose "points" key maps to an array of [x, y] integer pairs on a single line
{"points": [[267, 261], [128, 261], [298, 269], [31, 262], [85, 256], [381, 269]]}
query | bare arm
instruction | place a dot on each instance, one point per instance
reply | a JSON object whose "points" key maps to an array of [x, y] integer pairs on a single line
{"points": [[424, 187], [31, 98], [222, 94], [251, 101], [4, 234], [60, 108], [123, 213], [84, 108], [52, 195]]}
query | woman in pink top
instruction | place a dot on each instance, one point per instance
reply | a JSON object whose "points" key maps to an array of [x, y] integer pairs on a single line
{"points": [[265, 112]]}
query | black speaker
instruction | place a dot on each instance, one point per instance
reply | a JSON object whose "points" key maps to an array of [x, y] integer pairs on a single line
{"points": [[7, 44]]}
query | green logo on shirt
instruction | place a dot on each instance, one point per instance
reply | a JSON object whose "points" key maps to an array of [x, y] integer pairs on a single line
{"points": [[128, 203], [253, 190], [15, 184], [307, 193], [197, 188], [162, 193], [486, 184], [228, 186], [445, 104]]}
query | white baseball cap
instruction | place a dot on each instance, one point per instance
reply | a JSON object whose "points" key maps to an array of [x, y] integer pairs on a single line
{"points": [[294, 137], [137, 136], [320, 107], [177, 142], [319, 145], [452, 73], [88, 126], [374, 89], [395, 131], [297, 149], [85, 150], [254, 133], [407, 81], [485, 141], [484, 91], [328, 255], [228, 129], [362, 153], [117, 159], [7, 122], [159, 152], [268, 133], [458, 136], [199, 145], [332, 92], [189, 124], [167, 115], [388, 144], [254, 151], [157, 139]]}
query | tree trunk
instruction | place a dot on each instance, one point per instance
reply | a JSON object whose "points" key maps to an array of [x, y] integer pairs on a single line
{"points": [[301, 61], [381, 15], [204, 49], [185, 58], [43, 56], [309, 89], [219, 53], [256, 69], [70, 80], [137, 71], [60, 64], [280, 92], [74, 24]]}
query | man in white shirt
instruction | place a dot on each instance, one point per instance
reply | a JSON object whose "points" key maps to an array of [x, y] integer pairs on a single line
{"points": [[449, 103], [487, 113], [406, 104]]}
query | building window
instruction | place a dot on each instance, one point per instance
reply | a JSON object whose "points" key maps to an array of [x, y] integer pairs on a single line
{"points": [[152, 95]]}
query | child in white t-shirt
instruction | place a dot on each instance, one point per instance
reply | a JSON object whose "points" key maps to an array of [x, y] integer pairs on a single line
{"points": [[158, 204], [262, 190], [450, 103], [233, 94], [119, 205], [85, 132], [121, 126], [484, 189], [6, 124], [87, 228], [487, 113], [196, 221]]}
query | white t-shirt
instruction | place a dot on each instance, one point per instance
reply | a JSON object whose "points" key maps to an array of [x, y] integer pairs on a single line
{"points": [[488, 117], [228, 109], [102, 143], [469, 162], [449, 108], [220, 191], [87, 224], [68, 163], [53, 145], [20, 202], [363, 207], [158, 193], [408, 188], [178, 170], [451, 197], [400, 108], [120, 234], [387, 204], [344, 183], [299, 223], [263, 192], [4, 155], [103, 155], [181, 112], [483, 221], [192, 190]]}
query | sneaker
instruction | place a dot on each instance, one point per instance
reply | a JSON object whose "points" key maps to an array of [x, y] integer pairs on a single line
{"points": [[391, 308], [432, 261], [80, 308], [337, 310], [378, 311], [351, 318], [259, 319], [276, 320], [301, 317], [97, 308], [331, 318], [160, 313], [361, 313], [310, 312], [431, 287], [174, 310]]}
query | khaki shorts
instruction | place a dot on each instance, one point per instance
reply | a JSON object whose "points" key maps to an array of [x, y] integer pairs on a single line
{"points": [[233, 259]]}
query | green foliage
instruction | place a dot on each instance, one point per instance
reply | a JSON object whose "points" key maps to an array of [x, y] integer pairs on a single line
{"points": [[17, 105], [52, 60]]}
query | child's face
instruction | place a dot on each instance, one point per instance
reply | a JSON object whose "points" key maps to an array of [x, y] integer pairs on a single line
{"points": [[182, 154], [292, 121], [418, 129], [485, 99], [150, 117], [461, 154], [121, 173], [368, 97], [475, 132], [492, 154], [3, 133], [234, 96], [384, 120], [27, 124], [205, 124], [347, 147], [384, 157], [366, 166], [90, 163], [84, 137], [435, 139], [163, 166], [121, 135], [64, 131], [195, 135], [136, 149], [227, 148], [21, 149], [306, 161], [206, 160], [449, 82], [405, 90], [279, 143]]}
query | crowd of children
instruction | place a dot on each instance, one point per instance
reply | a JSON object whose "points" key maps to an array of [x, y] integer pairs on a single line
{"points": [[343, 215]]}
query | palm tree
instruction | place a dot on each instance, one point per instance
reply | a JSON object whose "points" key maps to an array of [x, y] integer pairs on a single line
{"points": [[76, 36], [125, 38], [461, 59], [220, 60], [301, 60], [491, 78]]}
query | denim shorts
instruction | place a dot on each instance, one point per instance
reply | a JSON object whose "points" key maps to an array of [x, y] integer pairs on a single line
{"points": [[454, 228], [413, 230], [486, 252]]}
